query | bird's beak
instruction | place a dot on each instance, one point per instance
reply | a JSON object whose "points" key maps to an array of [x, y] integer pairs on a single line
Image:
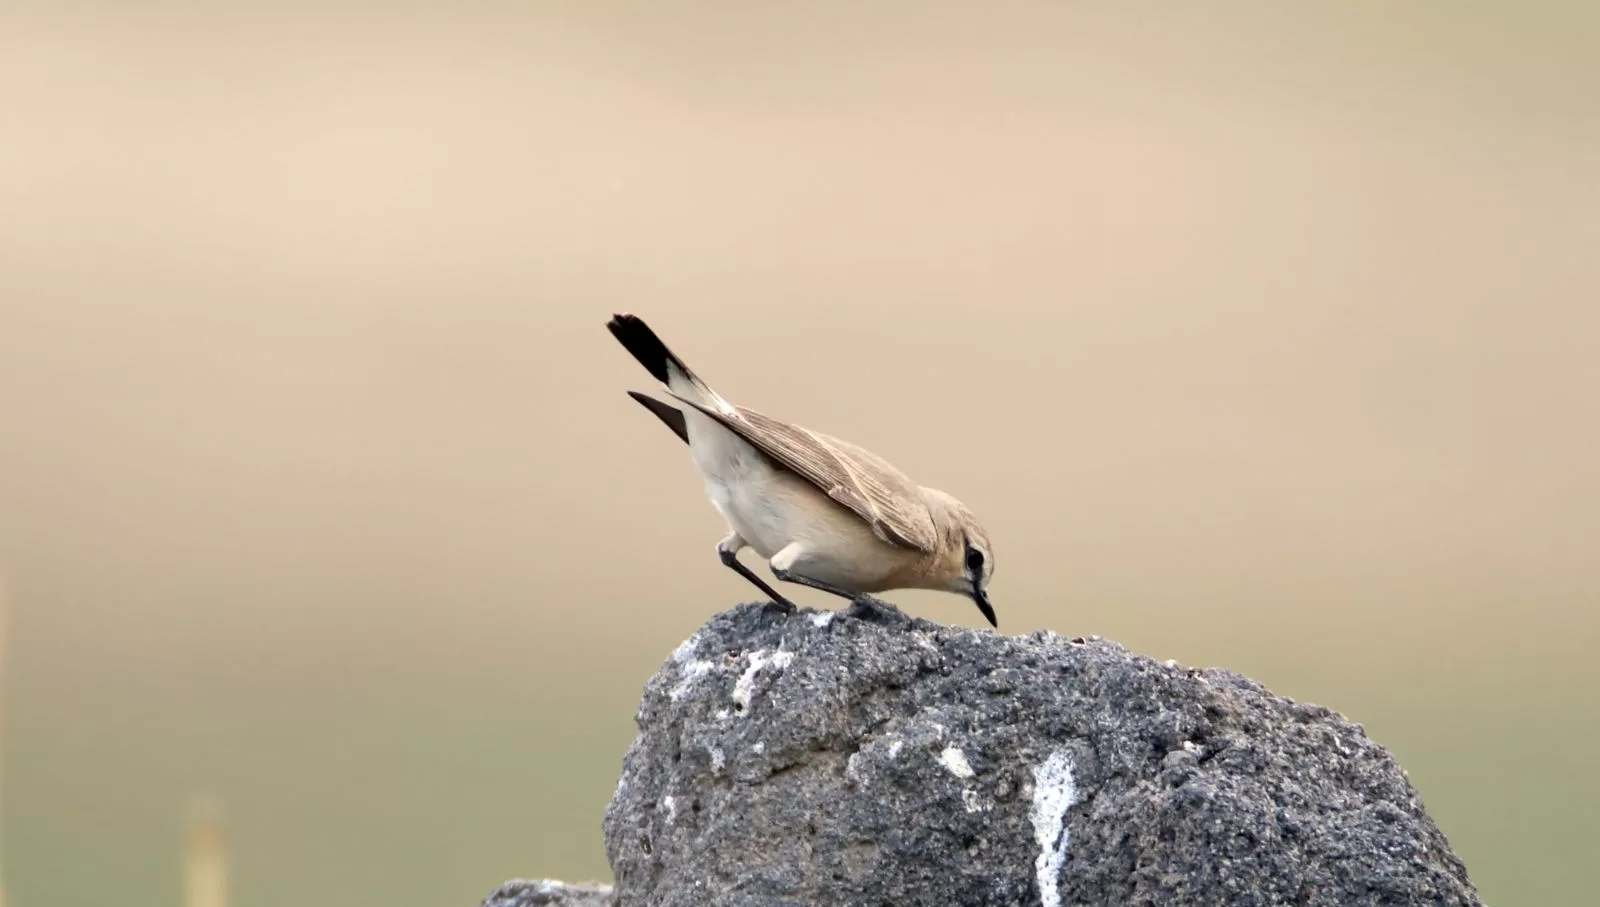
{"points": [[982, 601]]}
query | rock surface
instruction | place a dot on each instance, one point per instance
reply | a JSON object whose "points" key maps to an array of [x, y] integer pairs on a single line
{"points": [[868, 758], [548, 893]]}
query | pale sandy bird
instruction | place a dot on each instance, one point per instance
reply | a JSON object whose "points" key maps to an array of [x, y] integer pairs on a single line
{"points": [[823, 512]]}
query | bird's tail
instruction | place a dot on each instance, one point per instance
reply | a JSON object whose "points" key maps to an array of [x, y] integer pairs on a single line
{"points": [[638, 339]]}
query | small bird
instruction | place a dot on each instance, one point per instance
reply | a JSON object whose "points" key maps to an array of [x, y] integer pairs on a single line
{"points": [[823, 512]]}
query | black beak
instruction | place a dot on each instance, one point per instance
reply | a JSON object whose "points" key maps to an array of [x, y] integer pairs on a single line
{"points": [[982, 601]]}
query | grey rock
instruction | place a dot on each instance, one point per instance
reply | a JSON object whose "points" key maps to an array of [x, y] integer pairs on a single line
{"points": [[548, 893], [868, 758]]}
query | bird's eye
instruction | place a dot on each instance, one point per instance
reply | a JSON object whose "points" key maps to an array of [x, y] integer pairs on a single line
{"points": [[974, 560]]}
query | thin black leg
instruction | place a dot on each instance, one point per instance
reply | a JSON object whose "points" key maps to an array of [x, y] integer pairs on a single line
{"points": [[790, 577], [731, 559]]}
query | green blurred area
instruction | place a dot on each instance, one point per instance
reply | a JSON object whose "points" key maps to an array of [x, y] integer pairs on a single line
{"points": [[1259, 336]]}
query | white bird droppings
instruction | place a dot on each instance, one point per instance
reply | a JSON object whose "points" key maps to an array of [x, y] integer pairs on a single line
{"points": [[746, 683], [718, 761], [895, 748], [955, 762], [969, 798], [822, 620], [1053, 794], [670, 805]]}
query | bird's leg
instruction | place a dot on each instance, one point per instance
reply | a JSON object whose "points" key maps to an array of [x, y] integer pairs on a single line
{"points": [[728, 550], [782, 565], [789, 576]]}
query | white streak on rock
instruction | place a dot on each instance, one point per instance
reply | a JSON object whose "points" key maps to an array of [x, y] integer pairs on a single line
{"points": [[692, 672], [956, 762], [852, 768], [685, 649], [759, 659], [1053, 793], [671, 806]]}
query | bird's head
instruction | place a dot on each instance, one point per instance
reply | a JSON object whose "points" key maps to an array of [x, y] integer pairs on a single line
{"points": [[964, 563]]}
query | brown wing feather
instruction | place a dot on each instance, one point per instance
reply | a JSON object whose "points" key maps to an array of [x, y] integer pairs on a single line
{"points": [[860, 480]]}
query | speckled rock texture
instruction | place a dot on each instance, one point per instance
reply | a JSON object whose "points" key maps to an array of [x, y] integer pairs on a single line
{"points": [[868, 758], [548, 893]]}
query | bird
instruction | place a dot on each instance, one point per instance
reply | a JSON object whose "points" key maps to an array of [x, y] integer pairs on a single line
{"points": [[823, 512]]}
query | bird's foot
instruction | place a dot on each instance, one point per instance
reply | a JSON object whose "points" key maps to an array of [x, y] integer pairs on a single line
{"points": [[780, 605], [875, 611]]}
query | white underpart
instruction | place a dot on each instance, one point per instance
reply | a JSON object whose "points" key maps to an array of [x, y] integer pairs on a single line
{"points": [[955, 762], [1053, 793], [692, 672], [743, 486], [745, 686]]}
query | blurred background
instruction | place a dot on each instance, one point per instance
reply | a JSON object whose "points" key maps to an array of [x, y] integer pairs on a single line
{"points": [[1260, 336]]}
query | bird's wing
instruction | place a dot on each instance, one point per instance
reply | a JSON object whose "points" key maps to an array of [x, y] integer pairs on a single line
{"points": [[858, 479]]}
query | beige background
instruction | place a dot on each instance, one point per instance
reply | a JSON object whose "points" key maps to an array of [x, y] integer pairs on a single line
{"points": [[1260, 336]]}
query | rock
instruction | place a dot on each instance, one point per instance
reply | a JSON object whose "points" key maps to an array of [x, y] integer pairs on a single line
{"points": [[548, 893], [868, 758]]}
